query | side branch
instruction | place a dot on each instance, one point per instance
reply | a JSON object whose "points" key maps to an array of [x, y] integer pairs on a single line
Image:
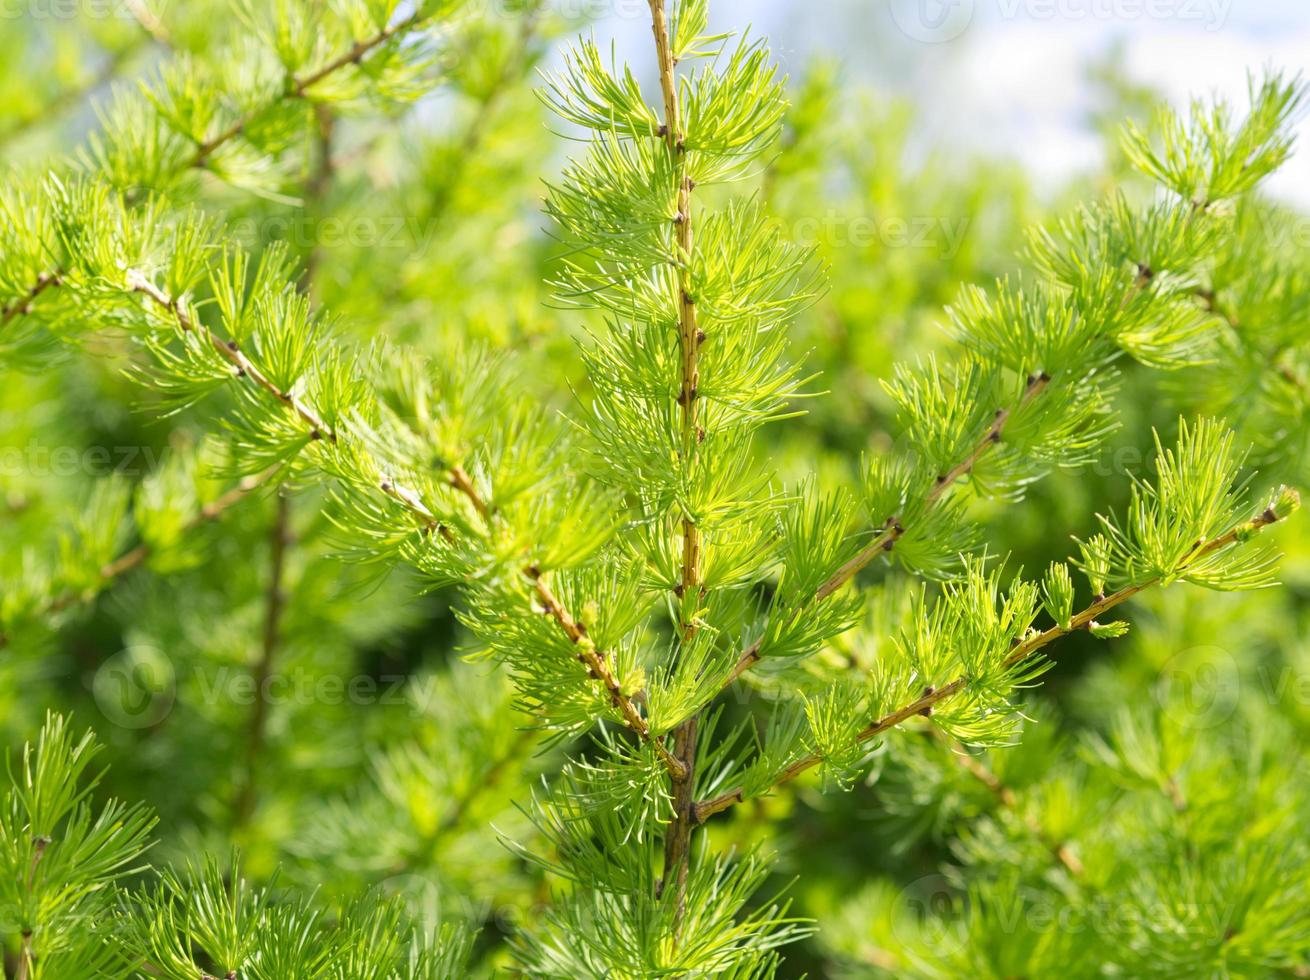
{"points": [[593, 659], [1035, 642], [299, 87], [245, 368], [23, 304], [137, 556], [598, 668], [231, 352], [894, 528]]}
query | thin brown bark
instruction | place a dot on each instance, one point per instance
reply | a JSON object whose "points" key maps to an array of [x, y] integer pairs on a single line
{"points": [[894, 528], [924, 704], [677, 840], [23, 304], [231, 352], [594, 659], [1006, 797], [25, 952], [299, 87], [275, 605], [137, 556]]}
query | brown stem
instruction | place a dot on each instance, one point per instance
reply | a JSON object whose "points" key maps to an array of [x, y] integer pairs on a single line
{"points": [[23, 305], [894, 528], [598, 668], [280, 539], [588, 655], [1036, 641], [677, 841], [25, 956], [299, 87], [129, 560], [461, 481], [231, 352], [1005, 796]]}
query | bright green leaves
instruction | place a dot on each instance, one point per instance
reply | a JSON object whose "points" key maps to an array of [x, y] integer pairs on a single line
{"points": [[613, 205], [815, 542], [1027, 331], [59, 856], [1057, 594], [968, 633], [1133, 276], [1108, 631], [687, 32], [745, 271], [622, 928], [962, 659], [691, 363], [1033, 391], [1258, 294], [1175, 528], [207, 919], [588, 94], [834, 718], [240, 113], [240, 282], [196, 913], [974, 419], [550, 680], [732, 112], [619, 212], [1210, 157]]}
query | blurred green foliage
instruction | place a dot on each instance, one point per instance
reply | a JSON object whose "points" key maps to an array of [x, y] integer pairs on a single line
{"points": [[1150, 812]]}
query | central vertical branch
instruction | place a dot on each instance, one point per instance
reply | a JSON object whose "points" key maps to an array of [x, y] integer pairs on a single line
{"points": [[677, 844]]}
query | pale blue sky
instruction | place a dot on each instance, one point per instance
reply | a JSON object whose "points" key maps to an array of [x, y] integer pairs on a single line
{"points": [[1008, 76]]}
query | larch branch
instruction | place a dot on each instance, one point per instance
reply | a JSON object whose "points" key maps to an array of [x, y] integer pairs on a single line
{"points": [[1035, 642], [894, 528]]}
